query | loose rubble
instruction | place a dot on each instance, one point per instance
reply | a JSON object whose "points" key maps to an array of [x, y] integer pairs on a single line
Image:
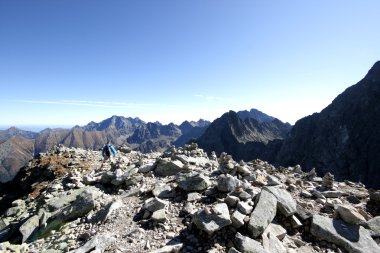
{"points": [[184, 201]]}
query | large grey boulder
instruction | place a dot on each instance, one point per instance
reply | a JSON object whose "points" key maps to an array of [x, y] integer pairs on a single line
{"points": [[193, 182], [82, 204], [353, 238], [65, 200], [263, 214], [211, 219], [285, 202], [167, 167], [247, 245]]}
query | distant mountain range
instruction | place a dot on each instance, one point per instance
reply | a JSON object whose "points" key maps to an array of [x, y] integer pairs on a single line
{"points": [[18, 146], [344, 138]]}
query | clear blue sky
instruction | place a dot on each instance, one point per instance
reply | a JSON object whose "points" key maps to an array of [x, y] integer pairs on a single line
{"points": [[69, 62]]}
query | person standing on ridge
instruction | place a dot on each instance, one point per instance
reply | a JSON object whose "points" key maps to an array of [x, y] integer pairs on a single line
{"points": [[108, 151]]}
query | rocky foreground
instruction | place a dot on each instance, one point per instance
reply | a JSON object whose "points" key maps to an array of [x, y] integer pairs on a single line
{"points": [[67, 200]]}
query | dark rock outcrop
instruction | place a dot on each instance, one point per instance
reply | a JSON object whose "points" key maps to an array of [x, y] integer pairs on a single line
{"points": [[246, 139], [344, 138]]}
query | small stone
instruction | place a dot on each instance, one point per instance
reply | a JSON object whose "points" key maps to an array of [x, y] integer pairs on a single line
{"points": [[244, 207]]}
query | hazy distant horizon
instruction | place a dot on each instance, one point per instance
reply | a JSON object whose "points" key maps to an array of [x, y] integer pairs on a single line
{"points": [[34, 128]]}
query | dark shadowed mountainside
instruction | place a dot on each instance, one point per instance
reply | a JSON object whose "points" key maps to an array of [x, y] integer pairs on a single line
{"points": [[246, 138], [344, 138]]}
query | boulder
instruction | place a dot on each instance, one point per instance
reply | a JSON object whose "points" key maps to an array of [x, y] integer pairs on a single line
{"points": [[353, 238], [285, 202], [167, 167], [227, 183], [211, 219], [193, 182], [247, 245], [263, 213]]}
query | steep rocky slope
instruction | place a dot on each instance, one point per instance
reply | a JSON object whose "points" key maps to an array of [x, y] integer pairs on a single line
{"points": [[182, 201], [344, 137], [15, 152], [244, 138]]}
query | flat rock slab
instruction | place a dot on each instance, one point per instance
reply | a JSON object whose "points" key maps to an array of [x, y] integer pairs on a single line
{"points": [[213, 218], [193, 182], [263, 214], [353, 238], [285, 202]]}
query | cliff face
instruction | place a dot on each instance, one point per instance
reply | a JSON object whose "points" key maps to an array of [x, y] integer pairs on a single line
{"points": [[343, 138]]}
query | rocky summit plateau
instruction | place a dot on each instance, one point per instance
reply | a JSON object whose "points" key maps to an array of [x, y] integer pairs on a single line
{"points": [[182, 200]]}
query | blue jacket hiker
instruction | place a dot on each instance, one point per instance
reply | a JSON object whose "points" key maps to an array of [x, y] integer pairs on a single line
{"points": [[108, 151]]}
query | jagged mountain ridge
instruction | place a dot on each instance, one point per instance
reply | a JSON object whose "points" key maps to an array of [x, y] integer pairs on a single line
{"points": [[16, 132], [255, 114], [119, 130], [243, 138], [344, 137]]}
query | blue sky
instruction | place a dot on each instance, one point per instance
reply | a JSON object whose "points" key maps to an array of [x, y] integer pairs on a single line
{"points": [[70, 62]]}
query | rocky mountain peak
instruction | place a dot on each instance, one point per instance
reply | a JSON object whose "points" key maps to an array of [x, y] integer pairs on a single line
{"points": [[255, 114]]}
